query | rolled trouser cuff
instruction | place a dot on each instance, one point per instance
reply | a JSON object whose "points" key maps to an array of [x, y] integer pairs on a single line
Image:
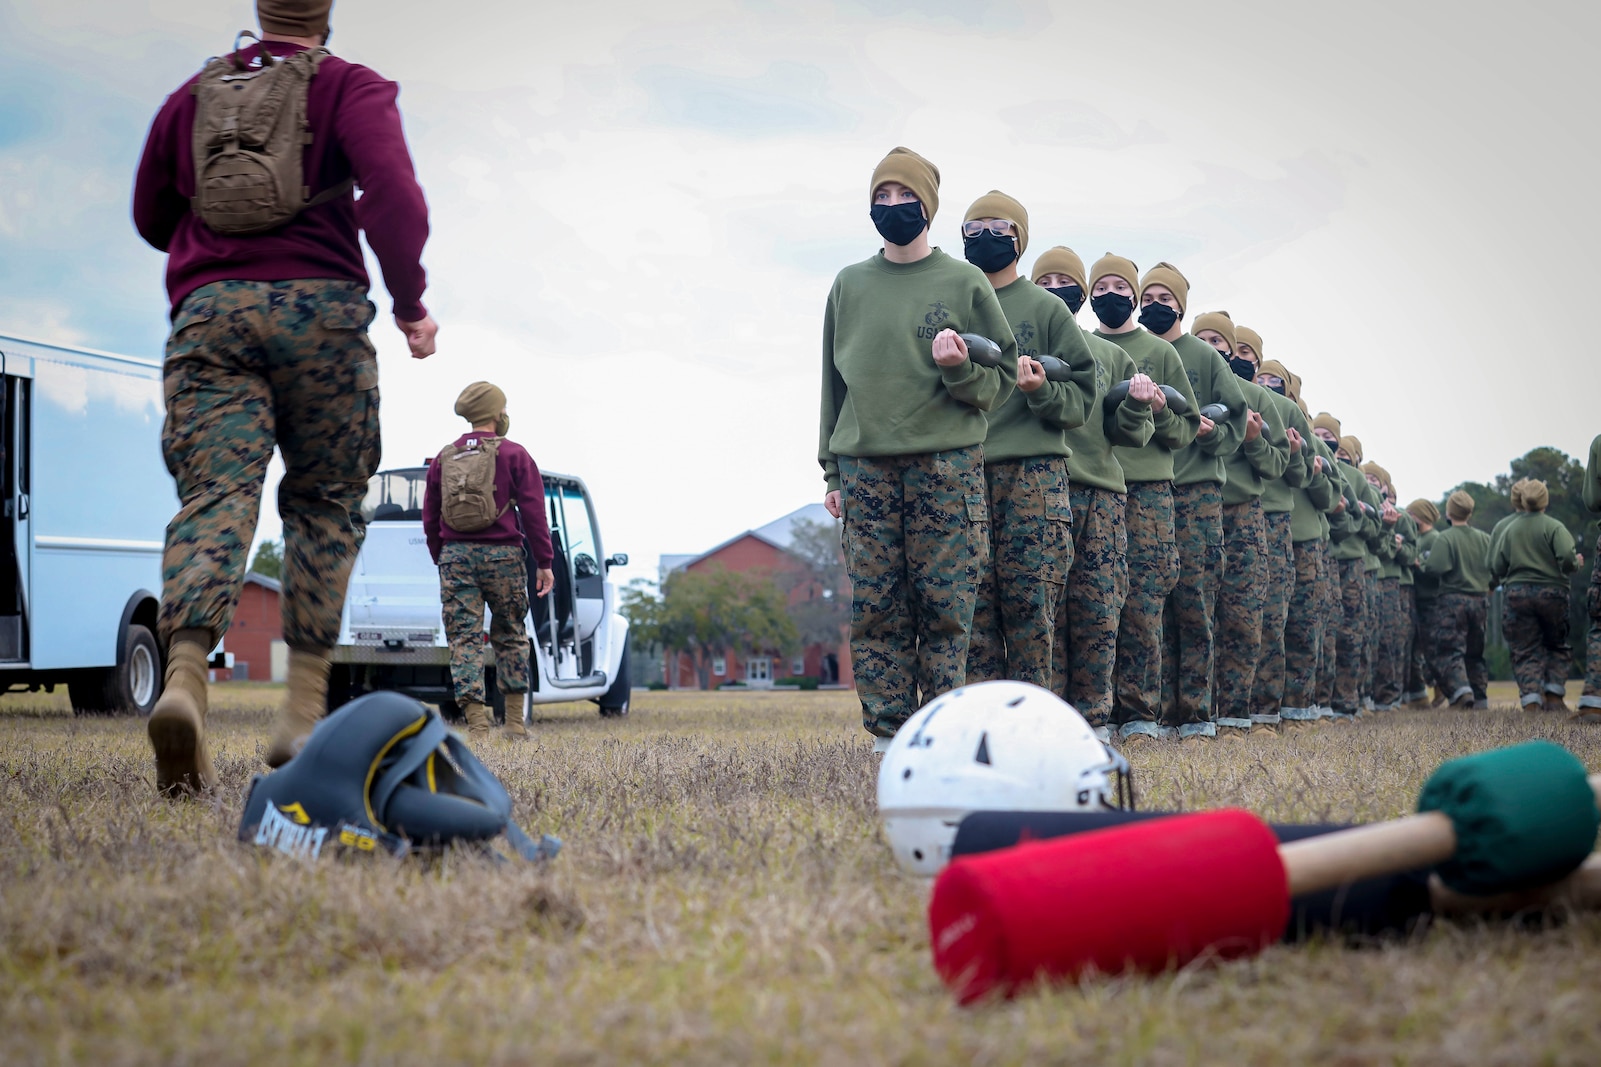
{"points": [[1301, 714], [1556, 690], [1530, 698], [1462, 691], [1235, 724], [1266, 720], [1149, 729], [1590, 701], [1103, 734], [1197, 729]]}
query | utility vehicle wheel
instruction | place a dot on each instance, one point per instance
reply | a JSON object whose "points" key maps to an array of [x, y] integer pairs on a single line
{"points": [[130, 687], [614, 705]]}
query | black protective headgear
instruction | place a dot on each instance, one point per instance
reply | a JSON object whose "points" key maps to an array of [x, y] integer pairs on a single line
{"points": [[384, 771]]}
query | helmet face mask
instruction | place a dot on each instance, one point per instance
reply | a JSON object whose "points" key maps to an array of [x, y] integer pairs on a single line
{"points": [[993, 746]]}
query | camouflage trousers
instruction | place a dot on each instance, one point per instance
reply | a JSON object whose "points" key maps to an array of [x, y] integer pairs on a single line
{"points": [[1389, 646], [1536, 626], [250, 366], [1187, 638], [1370, 633], [916, 541], [1591, 700], [1422, 673], [1303, 627], [1153, 563], [1330, 592], [1354, 623], [1413, 683], [1031, 551], [470, 575], [1239, 609], [1267, 689], [1085, 651], [1459, 644]]}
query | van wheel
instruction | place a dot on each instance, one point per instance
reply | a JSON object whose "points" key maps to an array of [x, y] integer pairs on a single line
{"points": [[614, 705], [130, 687]]}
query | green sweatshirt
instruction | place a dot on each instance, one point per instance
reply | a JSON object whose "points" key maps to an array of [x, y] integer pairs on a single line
{"points": [[1130, 425], [1213, 383], [1389, 553], [1309, 503], [1428, 585], [1535, 548], [1349, 533], [883, 394], [1406, 556], [1261, 460], [1592, 477], [1278, 494], [1157, 359], [1460, 558], [1035, 424], [1498, 531]]}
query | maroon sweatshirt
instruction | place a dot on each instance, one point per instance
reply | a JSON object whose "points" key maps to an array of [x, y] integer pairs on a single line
{"points": [[355, 133], [516, 480]]}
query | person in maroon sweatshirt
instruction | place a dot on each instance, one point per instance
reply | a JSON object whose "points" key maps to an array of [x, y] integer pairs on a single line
{"points": [[488, 564], [269, 348]]}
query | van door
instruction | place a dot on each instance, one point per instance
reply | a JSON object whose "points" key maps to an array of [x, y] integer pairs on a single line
{"points": [[15, 520]]}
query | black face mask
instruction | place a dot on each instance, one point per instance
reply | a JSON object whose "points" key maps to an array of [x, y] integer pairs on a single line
{"points": [[1243, 367], [1158, 317], [1113, 309], [899, 224], [1071, 295], [989, 252], [1279, 389]]}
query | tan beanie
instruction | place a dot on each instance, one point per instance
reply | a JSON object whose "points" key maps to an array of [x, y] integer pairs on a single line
{"points": [[1424, 511], [1325, 421], [913, 171], [1292, 387], [1518, 501], [1273, 367], [1355, 447], [1378, 472], [1304, 409], [1216, 320], [997, 205], [480, 402], [1061, 260], [1117, 267], [1168, 275], [1536, 495], [1250, 337], [1459, 506], [294, 18]]}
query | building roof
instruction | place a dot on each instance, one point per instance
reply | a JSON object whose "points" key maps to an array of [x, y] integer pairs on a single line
{"points": [[265, 582], [780, 533]]}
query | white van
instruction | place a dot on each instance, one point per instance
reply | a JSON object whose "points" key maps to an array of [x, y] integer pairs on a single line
{"points": [[392, 635]]}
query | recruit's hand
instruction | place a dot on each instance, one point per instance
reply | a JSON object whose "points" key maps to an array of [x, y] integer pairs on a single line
{"points": [[1253, 425], [949, 349], [1339, 509], [1295, 440], [1030, 374], [419, 335], [1143, 390], [831, 504], [1391, 516], [1399, 540], [1207, 426], [544, 581], [1318, 466]]}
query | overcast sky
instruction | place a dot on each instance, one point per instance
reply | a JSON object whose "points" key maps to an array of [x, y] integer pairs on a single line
{"points": [[638, 208]]}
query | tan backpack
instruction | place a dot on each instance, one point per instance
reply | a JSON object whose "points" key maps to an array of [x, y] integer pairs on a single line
{"points": [[249, 137], [467, 485]]}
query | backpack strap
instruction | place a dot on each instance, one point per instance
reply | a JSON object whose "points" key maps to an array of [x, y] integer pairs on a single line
{"points": [[418, 748]]}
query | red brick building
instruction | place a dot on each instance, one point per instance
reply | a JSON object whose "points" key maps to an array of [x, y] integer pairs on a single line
{"points": [[257, 624], [765, 550]]}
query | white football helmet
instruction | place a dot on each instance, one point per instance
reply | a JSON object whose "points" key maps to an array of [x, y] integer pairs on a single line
{"points": [[992, 746]]}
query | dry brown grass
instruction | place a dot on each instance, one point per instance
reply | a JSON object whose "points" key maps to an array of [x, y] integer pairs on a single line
{"points": [[723, 897]]}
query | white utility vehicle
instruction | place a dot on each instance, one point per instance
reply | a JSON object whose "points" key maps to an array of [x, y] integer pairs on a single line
{"points": [[392, 636]]}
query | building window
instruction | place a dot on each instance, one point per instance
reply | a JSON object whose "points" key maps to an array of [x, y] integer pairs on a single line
{"points": [[719, 666], [759, 670], [797, 666]]}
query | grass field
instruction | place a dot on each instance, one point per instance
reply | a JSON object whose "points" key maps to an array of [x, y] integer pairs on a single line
{"points": [[724, 897]]}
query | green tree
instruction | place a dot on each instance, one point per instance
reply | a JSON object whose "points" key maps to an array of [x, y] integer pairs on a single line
{"points": [[269, 560], [823, 609], [715, 612]]}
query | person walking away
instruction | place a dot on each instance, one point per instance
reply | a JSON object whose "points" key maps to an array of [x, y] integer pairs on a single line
{"points": [[1460, 559], [245, 183], [1531, 561], [901, 443], [1425, 590], [483, 501]]}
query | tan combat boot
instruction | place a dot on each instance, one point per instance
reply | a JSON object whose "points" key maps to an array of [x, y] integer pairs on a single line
{"points": [[177, 725], [514, 717], [305, 704], [479, 719], [1553, 702]]}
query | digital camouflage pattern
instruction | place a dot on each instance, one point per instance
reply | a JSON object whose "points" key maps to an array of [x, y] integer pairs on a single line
{"points": [[1267, 689], [1153, 563], [916, 541], [1031, 551], [1331, 597], [1239, 609], [1535, 623], [1389, 645], [1188, 641], [1423, 642], [1087, 620], [1458, 641], [1303, 627], [1370, 633], [1416, 685], [251, 365], [1353, 621], [472, 574], [1590, 701]]}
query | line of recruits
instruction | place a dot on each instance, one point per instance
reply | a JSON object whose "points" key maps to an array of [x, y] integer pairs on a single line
{"points": [[1080, 515]]}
